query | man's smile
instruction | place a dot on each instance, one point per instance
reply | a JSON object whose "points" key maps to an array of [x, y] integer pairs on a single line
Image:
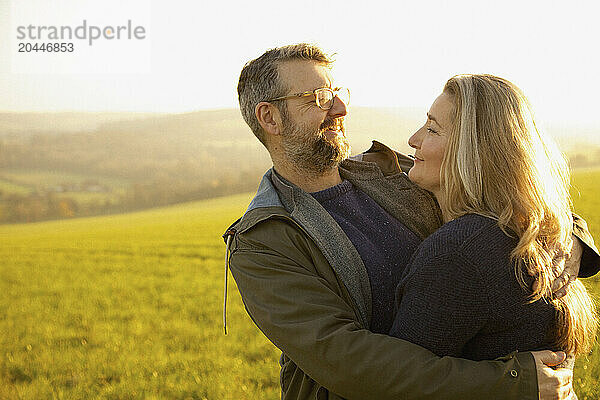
{"points": [[333, 128]]}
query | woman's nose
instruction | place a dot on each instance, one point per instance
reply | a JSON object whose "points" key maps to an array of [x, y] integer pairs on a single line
{"points": [[415, 140]]}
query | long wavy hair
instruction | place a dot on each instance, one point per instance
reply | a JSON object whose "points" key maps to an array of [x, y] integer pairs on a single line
{"points": [[498, 164]]}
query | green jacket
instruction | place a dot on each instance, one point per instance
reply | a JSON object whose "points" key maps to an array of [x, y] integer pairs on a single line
{"points": [[305, 286]]}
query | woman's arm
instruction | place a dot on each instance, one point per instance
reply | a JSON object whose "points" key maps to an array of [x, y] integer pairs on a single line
{"points": [[441, 304]]}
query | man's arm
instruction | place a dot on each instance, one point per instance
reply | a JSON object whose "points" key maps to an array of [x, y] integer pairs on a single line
{"points": [[302, 312]]}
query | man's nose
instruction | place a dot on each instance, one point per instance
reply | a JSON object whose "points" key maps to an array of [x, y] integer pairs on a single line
{"points": [[416, 139], [338, 109]]}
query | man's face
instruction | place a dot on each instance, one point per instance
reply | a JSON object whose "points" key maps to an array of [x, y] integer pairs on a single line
{"points": [[313, 139]]}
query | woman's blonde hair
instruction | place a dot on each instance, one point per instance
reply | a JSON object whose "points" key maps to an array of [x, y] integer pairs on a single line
{"points": [[499, 165]]}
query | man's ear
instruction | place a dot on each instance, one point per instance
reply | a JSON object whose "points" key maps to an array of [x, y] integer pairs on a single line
{"points": [[268, 117]]}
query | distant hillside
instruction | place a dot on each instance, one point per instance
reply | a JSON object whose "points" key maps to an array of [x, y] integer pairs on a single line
{"points": [[73, 164], [201, 149], [28, 123]]}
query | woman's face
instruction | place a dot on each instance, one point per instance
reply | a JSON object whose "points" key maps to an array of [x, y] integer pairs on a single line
{"points": [[429, 143]]}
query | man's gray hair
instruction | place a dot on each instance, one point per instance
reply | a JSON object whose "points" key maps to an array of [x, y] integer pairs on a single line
{"points": [[259, 79]]}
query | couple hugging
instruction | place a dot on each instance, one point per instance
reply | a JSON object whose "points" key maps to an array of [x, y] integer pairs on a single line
{"points": [[450, 274]]}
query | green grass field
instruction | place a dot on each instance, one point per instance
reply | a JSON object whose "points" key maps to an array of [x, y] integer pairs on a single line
{"points": [[129, 307]]}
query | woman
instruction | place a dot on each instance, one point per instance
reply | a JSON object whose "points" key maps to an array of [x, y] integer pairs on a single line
{"points": [[503, 190]]}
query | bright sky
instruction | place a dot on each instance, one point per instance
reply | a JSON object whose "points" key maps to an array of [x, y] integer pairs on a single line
{"points": [[388, 53]]}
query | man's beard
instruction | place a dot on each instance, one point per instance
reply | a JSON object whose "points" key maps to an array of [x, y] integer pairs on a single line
{"points": [[310, 151]]}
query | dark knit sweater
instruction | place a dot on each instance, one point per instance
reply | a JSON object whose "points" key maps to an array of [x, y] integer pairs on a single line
{"points": [[384, 244], [459, 295]]}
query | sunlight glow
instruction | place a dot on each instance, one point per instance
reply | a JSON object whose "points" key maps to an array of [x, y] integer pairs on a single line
{"points": [[388, 54]]}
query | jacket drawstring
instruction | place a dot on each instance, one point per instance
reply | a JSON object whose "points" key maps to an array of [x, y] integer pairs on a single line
{"points": [[229, 236]]}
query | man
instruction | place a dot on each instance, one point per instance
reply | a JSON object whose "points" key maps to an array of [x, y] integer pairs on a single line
{"points": [[318, 253]]}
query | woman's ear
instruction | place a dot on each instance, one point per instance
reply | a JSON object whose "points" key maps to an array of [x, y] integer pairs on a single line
{"points": [[269, 118]]}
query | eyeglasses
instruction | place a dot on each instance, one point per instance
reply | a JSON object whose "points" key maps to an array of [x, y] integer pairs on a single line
{"points": [[324, 97]]}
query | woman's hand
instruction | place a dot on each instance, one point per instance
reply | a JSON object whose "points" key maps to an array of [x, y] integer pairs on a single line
{"points": [[569, 272], [565, 269], [553, 384]]}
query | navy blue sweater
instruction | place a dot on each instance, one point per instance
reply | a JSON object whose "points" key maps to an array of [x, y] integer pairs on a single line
{"points": [[385, 245], [459, 295]]}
